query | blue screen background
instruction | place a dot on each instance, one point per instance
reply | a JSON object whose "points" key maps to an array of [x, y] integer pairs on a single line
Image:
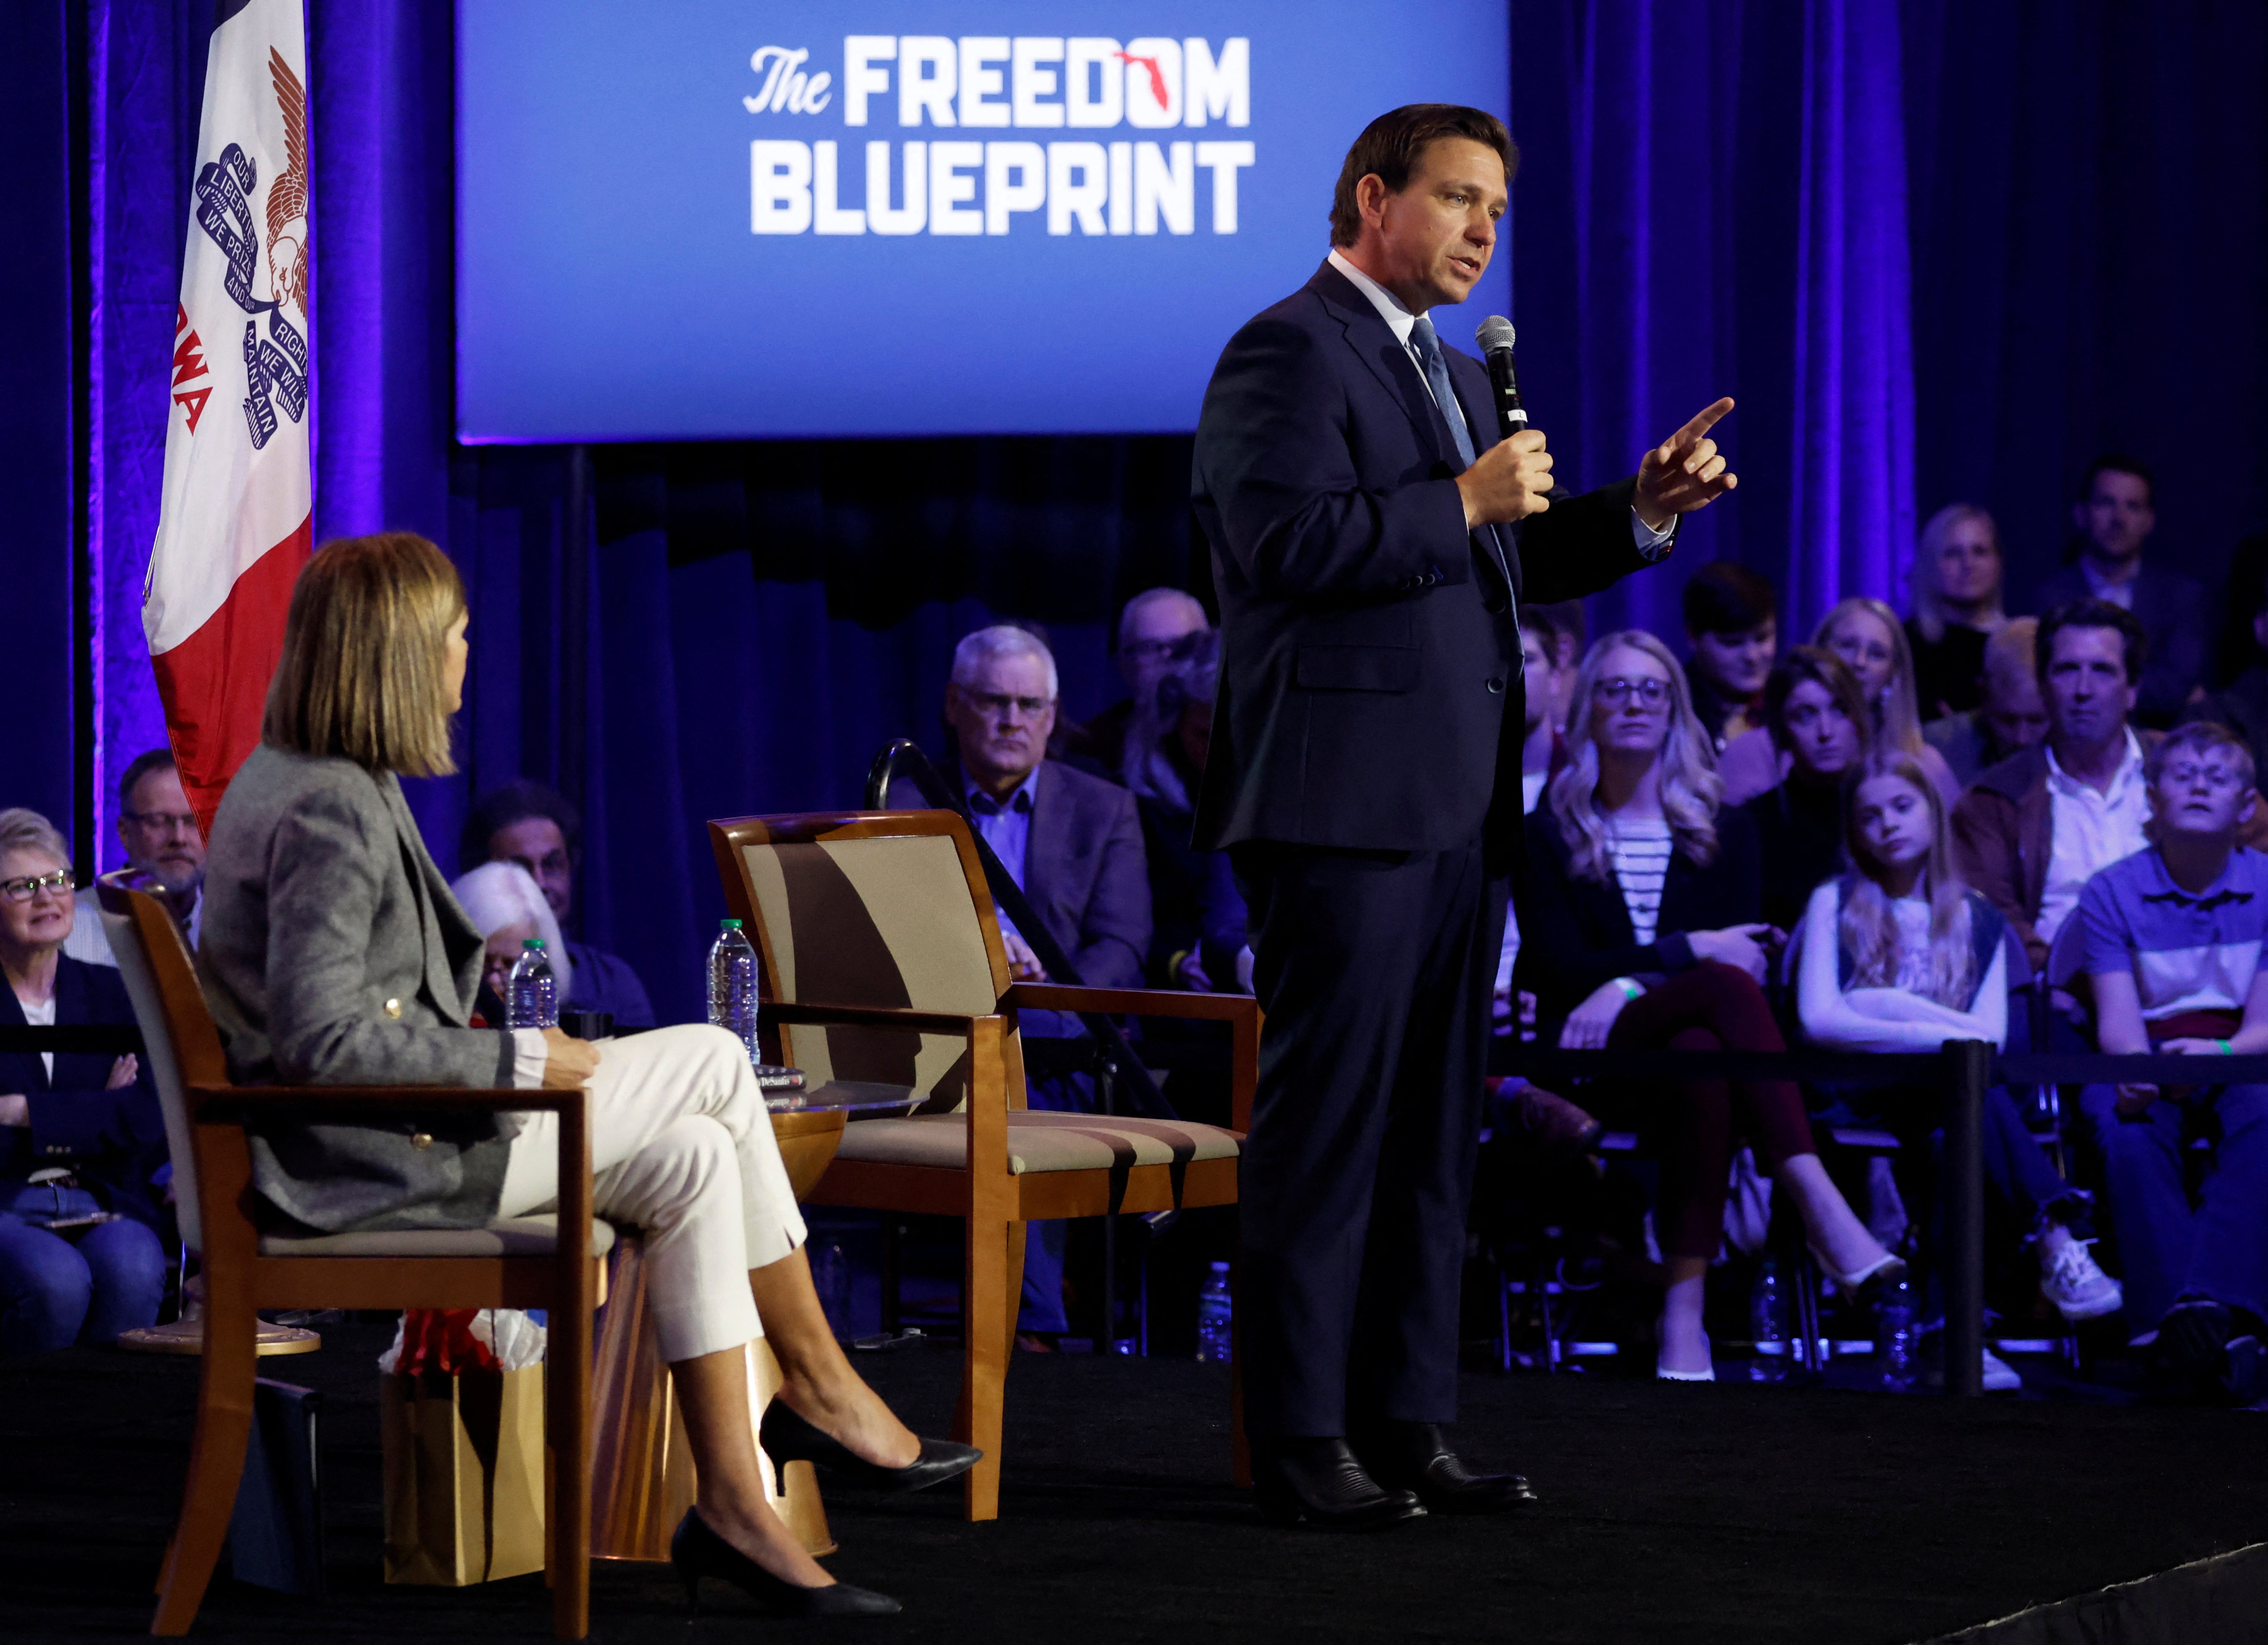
{"points": [[609, 286]]}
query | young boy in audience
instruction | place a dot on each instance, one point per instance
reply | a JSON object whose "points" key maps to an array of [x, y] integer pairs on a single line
{"points": [[2169, 939]]}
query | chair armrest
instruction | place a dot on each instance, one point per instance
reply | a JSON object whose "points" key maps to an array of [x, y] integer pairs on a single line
{"points": [[1057, 996], [227, 1104], [792, 1011]]}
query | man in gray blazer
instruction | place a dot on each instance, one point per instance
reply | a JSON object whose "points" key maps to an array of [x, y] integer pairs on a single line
{"points": [[1073, 842]]}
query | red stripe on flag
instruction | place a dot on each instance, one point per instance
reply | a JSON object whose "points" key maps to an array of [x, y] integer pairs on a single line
{"points": [[214, 683]]}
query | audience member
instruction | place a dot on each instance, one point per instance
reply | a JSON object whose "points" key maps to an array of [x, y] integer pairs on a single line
{"points": [[2170, 940], [2115, 515], [80, 1258], [1732, 633], [1157, 627], [1641, 902], [526, 823], [1817, 712], [2010, 719], [1073, 842], [1898, 955], [508, 907], [2032, 830], [1197, 939], [1957, 579], [159, 833], [1865, 634]]}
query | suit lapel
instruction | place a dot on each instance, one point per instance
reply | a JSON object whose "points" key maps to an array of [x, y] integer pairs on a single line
{"points": [[1480, 423], [1044, 845], [34, 1073], [1369, 335], [439, 916]]}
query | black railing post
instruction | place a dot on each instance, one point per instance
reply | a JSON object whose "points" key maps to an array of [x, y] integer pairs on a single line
{"points": [[1969, 1070]]}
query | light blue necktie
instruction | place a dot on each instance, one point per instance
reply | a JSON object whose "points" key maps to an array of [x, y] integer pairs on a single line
{"points": [[1428, 343]]}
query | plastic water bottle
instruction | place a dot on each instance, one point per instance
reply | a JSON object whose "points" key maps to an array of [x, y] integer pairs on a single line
{"points": [[1215, 1315], [732, 985], [532, 992], [1894, 1317], [1768, 1324]]}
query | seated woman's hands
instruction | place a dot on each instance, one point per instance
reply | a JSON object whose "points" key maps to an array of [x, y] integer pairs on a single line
{"points": [[1589, 1023], [569, 1062], [1742, 946]]}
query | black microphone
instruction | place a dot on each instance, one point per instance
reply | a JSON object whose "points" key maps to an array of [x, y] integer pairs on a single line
{"points": [[1495, 335]]}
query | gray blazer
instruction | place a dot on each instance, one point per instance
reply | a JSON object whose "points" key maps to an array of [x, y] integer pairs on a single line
{"points": [[333, 954]]}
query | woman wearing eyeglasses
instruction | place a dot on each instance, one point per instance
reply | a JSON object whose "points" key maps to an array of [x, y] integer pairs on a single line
{"points": [[334, 953], [80, 1258], [1638, 915]]}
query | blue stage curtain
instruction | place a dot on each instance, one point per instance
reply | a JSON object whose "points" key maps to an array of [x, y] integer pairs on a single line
{"points": [[2090, 211], [1711, 200]]}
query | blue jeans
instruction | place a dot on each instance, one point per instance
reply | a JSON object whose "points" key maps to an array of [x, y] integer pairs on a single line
{"points": [[2169, 1250], [81, 1285]]}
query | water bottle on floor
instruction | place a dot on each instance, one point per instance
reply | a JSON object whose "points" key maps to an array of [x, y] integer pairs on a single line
{"points": [[532, 992], [1896, 1329], [1768, 1324], [732, 985], [1215, 1318]]}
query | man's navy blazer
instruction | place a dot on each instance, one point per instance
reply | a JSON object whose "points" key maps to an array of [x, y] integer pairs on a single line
{"points": [[112, 1141], [1370, 693]]}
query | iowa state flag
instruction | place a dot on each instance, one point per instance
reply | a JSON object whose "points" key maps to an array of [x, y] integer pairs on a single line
{"points": [[235, 525]]}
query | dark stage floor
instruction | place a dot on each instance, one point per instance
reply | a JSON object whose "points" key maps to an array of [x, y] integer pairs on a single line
{"points": [[1688, 1514]]}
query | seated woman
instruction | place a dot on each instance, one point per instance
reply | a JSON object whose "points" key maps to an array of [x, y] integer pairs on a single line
{"points": [[507, 907], [1867, 634], [80, 1258], [1898, 955], [1817, 712], [1957, 576], [332, 954], [1638, 908]]}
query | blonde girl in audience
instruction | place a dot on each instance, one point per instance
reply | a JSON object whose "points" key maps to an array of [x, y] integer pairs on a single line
{"points": [[1898, 955]]}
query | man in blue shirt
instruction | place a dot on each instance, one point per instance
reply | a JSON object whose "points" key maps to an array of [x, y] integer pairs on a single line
{"points": [[1074, 843], [2170, 940], [526, 823]]}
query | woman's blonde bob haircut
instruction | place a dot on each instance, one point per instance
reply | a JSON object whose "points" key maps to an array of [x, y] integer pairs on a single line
{"points": [[361, 677]]}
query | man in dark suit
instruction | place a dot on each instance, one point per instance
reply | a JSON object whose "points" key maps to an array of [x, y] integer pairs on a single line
{"points": [[1364, 776], [1073, 842], [2116, 513]]}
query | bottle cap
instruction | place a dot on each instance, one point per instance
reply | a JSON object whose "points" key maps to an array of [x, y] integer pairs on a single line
{"points": [[728, 925], [532, 942], [1220, 1267]]}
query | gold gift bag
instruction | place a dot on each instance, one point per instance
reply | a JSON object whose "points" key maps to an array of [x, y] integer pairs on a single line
{"points": [[464, 1475]]}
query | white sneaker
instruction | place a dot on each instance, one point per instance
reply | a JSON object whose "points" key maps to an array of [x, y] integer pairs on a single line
{"points": [[2077, 1285], [2000, 1376]]}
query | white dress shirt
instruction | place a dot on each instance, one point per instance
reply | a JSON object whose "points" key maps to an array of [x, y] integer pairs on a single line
{"points": [[2089, 830], [1651, 543]]}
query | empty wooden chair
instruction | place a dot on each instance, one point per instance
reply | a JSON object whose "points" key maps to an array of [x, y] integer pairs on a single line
{"points": [[883, 967]]}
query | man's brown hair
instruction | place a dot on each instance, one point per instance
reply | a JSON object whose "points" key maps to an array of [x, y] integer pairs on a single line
{"points": [[1392, 145], [361, 677]]}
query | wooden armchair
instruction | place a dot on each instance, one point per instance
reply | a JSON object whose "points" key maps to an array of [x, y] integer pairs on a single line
{"points": [[521, 1262], [883, 967]]}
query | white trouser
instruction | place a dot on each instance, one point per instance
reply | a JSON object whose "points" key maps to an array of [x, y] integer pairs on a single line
{"points": [[682, 1150]]}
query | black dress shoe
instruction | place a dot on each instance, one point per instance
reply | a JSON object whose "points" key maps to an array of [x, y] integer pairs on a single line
{"points": [[1318, 1482], [696, 1551], [788, 1438], [1413, 1456]]}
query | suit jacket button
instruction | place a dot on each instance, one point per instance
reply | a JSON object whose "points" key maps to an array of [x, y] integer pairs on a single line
{"points": [[421, 1139], [1496, 687], [394, 1009]]}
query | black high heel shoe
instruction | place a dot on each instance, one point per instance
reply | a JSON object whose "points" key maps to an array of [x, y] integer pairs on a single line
{"points": [[695, 1551], [788, 1438]]}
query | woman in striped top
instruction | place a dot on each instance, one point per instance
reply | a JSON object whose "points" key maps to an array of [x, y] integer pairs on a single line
{"points": [[1639, 904]]}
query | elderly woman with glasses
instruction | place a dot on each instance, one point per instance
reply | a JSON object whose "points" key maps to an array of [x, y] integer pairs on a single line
{"points": [[334, 953], [80, 1136], [1638, 915]]}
